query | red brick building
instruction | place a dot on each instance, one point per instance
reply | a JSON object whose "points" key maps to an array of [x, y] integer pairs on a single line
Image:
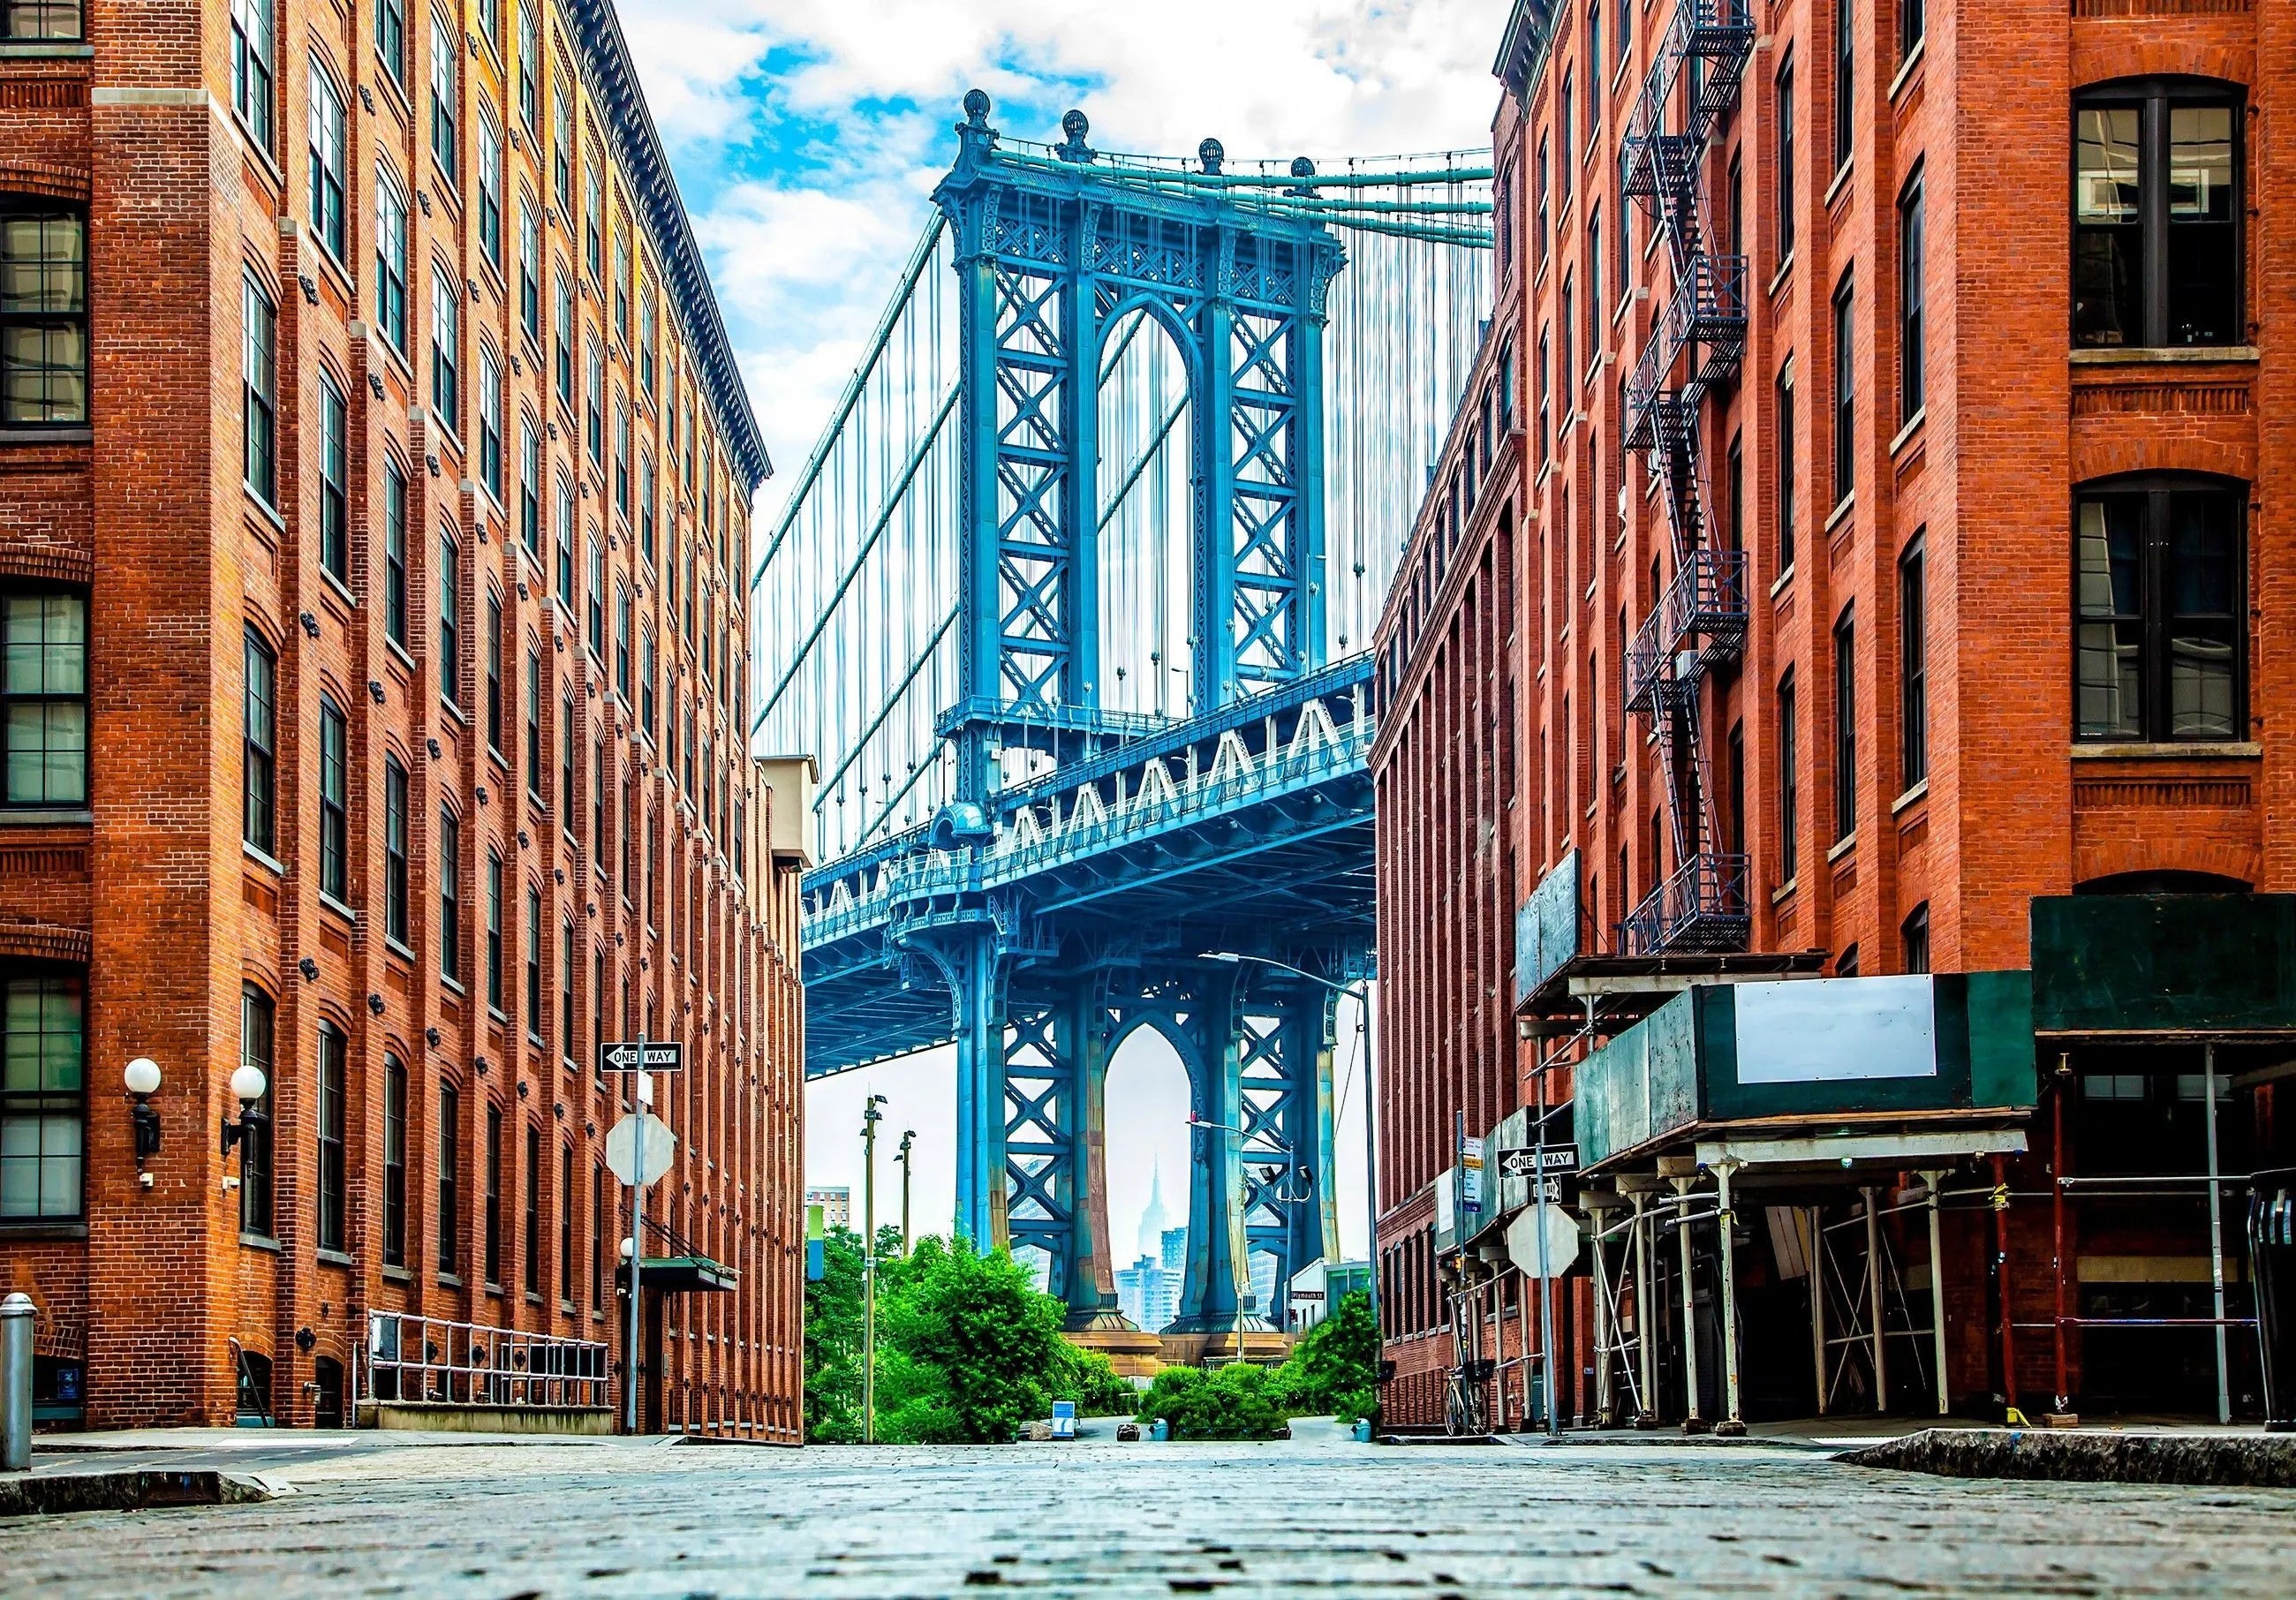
{"points": [[374, 486], [1974, 542]]}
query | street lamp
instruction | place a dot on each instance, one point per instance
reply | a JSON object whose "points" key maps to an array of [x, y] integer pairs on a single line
{"points": [[870, 1117], [248, 1085], [143, 1079], [1243, 1230], [908, 1138]]}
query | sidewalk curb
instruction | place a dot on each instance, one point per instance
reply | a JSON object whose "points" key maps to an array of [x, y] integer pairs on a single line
{"points": [[53, 1493], [2251, 1461]]}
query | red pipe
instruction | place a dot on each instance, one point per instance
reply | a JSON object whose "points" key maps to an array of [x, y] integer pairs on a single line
{"points": [[2000, 1275], [2057, 1210]]}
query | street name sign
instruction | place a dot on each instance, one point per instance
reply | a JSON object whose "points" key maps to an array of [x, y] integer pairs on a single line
{"points": [[661, 1055]]}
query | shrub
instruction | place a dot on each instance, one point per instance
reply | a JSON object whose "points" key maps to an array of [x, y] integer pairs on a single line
{"points": [[1335, 1369], [1090, 1379], [1235, 1401]]}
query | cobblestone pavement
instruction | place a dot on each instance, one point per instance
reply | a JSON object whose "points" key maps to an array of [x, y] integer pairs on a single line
{"points": [[1108, 1519]]}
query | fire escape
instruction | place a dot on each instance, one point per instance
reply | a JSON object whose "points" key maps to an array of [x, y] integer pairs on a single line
{"points": [[1694, 346]]}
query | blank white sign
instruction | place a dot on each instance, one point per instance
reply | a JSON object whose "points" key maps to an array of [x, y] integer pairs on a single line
{"points": [[1835, 1030]]}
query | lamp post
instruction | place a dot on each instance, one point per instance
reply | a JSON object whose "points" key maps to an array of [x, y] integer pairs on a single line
{"points": [[142, 1081], [1243, 1254], [908, 1138], [869, 1116]]}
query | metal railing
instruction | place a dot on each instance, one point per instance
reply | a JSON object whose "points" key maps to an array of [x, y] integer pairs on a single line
{"points": [[429, 1360]]}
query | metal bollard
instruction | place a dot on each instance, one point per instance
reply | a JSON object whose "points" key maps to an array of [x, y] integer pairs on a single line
{"points": [[16, 1383]]}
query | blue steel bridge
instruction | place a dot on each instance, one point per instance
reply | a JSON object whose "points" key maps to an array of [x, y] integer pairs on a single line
{"points": [[1071, 602]]}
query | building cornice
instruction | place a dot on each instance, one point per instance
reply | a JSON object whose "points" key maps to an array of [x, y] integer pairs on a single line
{"points": [[605, 60]]}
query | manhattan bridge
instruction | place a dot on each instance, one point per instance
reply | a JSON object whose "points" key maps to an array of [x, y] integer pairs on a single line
{"points": [[1072, 600]]}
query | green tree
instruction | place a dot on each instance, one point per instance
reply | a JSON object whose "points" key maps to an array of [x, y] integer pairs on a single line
{"points": [[1090, 1379], [1334, 1370], [995, 1341], [1239, 1400]]}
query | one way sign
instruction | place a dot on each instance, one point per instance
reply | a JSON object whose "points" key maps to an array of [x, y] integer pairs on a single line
{"points": [[1553, 1159], [661, 1055]]}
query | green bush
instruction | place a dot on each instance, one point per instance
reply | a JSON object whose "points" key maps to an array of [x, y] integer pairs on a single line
{"points": [[1090, 1379], [1235, 1401], [1334, 1370]]}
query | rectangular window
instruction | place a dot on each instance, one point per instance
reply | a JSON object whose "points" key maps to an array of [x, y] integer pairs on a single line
{"points": [[566, 545], [1912, 668], [2156, 218], [1789, 783], [566, 1223], [393, 553], [621, 281], [394, 850], [1785, 152], [595, 600], [494, 932], [494, 672], [490, 423], [43, 1095], [1845, 81], [41, 21], [648, 341], [1594, 281], [565, 354], [566, 781], [43, 315], [529, 488], [534, 723], [593, 221], [2161, 634], [334, 802], [258, 1030], [490, 183], [1785, 410], [394, 1161], [598, 852], [446, 350], [1845, 396], [1734, 792], [259, 409], [450, 895], [390, 37], [450, 619], [645, 506], [622, 641], [446, 100], [390, 260], [1911, 298], [1564, 165], [598, 1194], [334, 481], [492, 1219], [333, 1117], [623, 459], [534, 964], [565, 1040], [593, 409], [1845, 726], [327, 144], [253, 42], [1734, 523], [529, 67], [529, 272], [1915, 936], [258, 745], [645, 681], [43, 695], [533, 1209], [561, 118], [450, 1161]]}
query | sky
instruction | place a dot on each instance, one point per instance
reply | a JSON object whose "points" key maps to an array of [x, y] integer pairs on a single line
{"points": [[807, 134]]}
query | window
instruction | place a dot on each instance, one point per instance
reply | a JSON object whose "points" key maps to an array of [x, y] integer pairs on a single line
{"points": [[593, 221], [43, 317], [257, 1029], [598, 852], [565, 362], [566, 990], [533, 1209], [494, 671], [1786, 178], [594, 407], [621, 282], [529, 488], [1915, 933], [1594, 281], [326, 160], [562, 116], [1845, 964], [394, 850], [335, 806], [445, 97], [1913, 22], [259, 413], [490, 421], [1912, 668], [43, 1094], [332, 1119], [566, 1222], [252, 72], [598, 1193], [1845, 81], [41, 21], [494, 932], [1788, 789], [393, 553], [2156, 216], [1563, 164], [1845, 725], [492, 1219], [645, 506], [534, 723], [490, 182], [1733, 525], [1735, 791], [645, 681], [258, 743], [394, 1160], [450, 1161], [566, 796], [446, 349], [595, 601], [648, 342], [534, 964], [390, 259], [529, 67], [1910, 300], [490, 20], [43, 695], [566, 545], [334, 484], [1845, 394], [2160, 631], [390, 37], [1786, 468], [623, 459], [529, 272], [622, 640], [450, 900]]}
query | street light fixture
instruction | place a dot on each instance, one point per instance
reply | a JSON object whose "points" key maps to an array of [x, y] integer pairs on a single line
{"points": [[143, 1079], [870, 1117], [248, 1085]]}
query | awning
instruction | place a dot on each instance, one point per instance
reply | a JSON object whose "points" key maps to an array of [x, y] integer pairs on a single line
{"points": [[680, 1274]]}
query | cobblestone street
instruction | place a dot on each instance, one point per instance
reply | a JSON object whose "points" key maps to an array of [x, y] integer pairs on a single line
{"points": [[642, 1519]]}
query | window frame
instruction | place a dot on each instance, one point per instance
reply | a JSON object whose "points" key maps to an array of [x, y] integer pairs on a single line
{"points": [[396, 910], [1845, 724], [255, 69], [1845, 385], [1789, 779], [1913, 296], [450, 895], [2154, 97], [394, 1160], [328, 125], [446, 97], [71, 323], [259, 1036], [45, 1105], [334, 801], [334, 480], [259, 390], [1912, 663], [258, 753], [2156, 717], [449, 1217], [47, 594], [331, 1085], [74, 9], [391, 235]]}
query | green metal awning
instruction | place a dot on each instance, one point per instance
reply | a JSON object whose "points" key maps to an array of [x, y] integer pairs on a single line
{"points": [[2196, 965], [681, 1274]]}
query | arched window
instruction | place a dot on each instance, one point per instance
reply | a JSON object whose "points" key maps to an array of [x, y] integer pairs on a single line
{"points": [[2160, 646]]}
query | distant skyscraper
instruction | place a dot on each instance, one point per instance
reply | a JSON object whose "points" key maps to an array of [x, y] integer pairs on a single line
{"points": [[836, 1204], [1172, 1250], [1147, 1294], [1157, 1217]]}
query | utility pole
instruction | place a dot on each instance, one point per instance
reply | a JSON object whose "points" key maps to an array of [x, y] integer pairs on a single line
{"points": [[641, 1094], [869, 1119], [908, 1138]]}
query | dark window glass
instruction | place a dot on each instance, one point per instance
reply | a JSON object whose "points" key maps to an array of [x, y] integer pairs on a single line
{"points": [[494, 930], [450, 902], [390, 259], [1789, 783], [332, 1119], [534, 723], [1845, 727], [254, 73], [334, 802], [1785, 410], [2160, 641], [1735, 791], [43, 1094], [446, 98], [450, 589], [450, 1160], [394, 850], [2156, 217], [43, 315], [529, 489], [1786, 151], [259, 742], [1911, 303], [327, 146], [1845, 80], [568, 798], [1916, 936], [1913, 21], [534, 964], [533, 1242], [43, 695], [258, 1030], [492, 1219], [394, 1161], [1913, 667], [565, 1040], [41, 21], [1845, 394], [598, 1212], [1845, 964], [393, 553], [494, 671], [390, 37], [259, 392], [565, 1222]]}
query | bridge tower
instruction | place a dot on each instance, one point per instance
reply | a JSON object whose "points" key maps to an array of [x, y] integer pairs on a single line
{"points": [[1700, 623], [1052, 251]]}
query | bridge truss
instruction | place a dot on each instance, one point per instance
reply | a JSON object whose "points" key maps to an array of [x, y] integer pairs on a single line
{"points": [[1071, 601]]}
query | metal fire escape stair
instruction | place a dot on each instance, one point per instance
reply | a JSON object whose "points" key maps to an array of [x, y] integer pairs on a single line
{"points": [[1695, 344]]}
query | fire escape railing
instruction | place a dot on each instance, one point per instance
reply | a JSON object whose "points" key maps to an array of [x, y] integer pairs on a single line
{"points": [[1695, 344]]}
